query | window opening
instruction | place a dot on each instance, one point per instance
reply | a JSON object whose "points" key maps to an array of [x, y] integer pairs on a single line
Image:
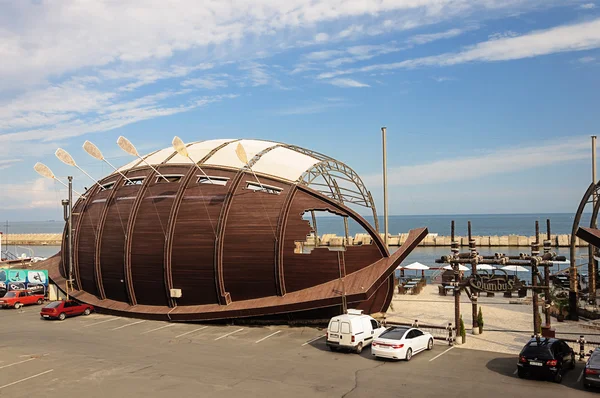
{"points": [[108, 185], [135, 181], [212, 180], [264, 188], [168, 178]]}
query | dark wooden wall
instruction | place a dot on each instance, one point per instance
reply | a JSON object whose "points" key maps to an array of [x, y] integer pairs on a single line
{"points": [[250, 239]]}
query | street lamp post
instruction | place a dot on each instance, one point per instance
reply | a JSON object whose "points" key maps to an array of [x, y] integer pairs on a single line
{"points": [[385, 197]]}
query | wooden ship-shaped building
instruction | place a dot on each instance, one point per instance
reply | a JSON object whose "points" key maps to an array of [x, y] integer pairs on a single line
{"points": [[183, 243]]}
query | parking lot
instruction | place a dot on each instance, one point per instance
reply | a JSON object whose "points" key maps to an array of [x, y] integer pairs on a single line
{"points": [[101, 355]]}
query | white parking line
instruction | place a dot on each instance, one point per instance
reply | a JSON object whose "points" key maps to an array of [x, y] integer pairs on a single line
{"points": [[580, 376], [128, 324], [16, 363], [437, 356], [229, 334], [264, 338], [516, 371], [315, 339], [162, 327], [191, 331], [25, 379], [98, 323]]}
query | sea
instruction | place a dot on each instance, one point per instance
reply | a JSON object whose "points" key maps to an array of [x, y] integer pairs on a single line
{"points": [[482, 225]]}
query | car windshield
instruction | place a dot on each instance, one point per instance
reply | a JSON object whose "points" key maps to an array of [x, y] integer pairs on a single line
{"points": [[10, 294], [595, 360], [393, 334], [53, 304], [534, 351]]}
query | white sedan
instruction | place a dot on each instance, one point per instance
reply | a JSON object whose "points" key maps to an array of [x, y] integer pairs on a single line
{"points": [[401, 342]]}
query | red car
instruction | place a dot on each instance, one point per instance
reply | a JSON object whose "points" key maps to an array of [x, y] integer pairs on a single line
{"points": [[62, 309], [19, 298]]}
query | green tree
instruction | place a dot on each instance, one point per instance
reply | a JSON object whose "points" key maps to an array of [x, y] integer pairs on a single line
{"points": [[480, 320]]}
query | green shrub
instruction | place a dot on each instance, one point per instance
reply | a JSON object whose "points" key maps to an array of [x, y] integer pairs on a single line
{"points": [[462, 330], [480, 320]]}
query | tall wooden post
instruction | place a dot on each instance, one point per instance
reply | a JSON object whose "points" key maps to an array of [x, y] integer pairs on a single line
{"points": [[548, 301], [473, 254]]}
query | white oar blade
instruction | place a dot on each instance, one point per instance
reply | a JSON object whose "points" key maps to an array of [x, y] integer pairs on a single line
{"points": [[241, 153], [43, 170], [93, 150], [127, 146], [64, 157], [180, 147]]}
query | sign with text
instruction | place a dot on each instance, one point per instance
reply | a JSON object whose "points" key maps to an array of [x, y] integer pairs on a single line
{"points": [[493, 283]]}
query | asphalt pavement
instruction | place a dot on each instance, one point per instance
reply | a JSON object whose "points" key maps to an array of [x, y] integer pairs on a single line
{"points": [[101, 355]]}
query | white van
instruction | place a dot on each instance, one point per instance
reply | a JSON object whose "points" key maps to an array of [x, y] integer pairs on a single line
{"points": [[352, 331]]}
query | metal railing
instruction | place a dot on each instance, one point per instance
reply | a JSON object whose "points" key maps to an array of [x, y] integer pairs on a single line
{"points": [[443, 333]]}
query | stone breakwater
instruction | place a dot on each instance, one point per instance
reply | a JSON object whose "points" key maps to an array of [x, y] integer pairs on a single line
{"points": [[443, 241], [32, 239], [335, 240]]}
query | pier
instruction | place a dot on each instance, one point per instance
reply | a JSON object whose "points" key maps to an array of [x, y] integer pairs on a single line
{"points": [[434, 240]]}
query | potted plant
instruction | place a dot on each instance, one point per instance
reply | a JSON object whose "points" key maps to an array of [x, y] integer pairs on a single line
{"points": [[561, 305], [480, 320], [560, 301]]}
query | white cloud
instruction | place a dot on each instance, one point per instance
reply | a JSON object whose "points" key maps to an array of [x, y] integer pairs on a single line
{"points": [[504, 160], [209, 82], [588, 6], [347, 83], [5, 164], [35, 46], [429, 37], [441, 79], [586, 60], [575, 37], [39, 193], [313, 107]]}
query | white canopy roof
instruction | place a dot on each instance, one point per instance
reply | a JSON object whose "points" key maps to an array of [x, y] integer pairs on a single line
{"points": [[274, 159], [460, 267], [417, 266]]}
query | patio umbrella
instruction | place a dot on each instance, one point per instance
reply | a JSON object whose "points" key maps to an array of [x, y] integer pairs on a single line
{"points": [[485, 266], [515, 268], [418, 266], [401, 268], [460, 267]]}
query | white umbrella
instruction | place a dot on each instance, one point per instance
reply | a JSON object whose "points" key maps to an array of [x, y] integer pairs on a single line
{"points": [[417, 266], [485, 266], [460, 267], [515, 268]]}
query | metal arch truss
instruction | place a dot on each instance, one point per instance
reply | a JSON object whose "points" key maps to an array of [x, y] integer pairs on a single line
{"points": [[332, 171], [591, 196]]}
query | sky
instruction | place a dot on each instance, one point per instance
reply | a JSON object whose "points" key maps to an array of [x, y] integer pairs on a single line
{"points": [[489, 105]]}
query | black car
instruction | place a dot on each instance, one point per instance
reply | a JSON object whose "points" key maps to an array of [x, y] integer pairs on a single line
{"points": [[591, 375], [547, 358]]}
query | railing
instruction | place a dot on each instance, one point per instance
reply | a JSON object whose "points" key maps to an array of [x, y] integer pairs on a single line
{"points": [[8, 255], [443, 333]]}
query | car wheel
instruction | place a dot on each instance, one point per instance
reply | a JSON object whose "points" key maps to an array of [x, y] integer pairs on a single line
{"points": [[87, 311], [62, 316], [430, 345], [521, 373], [558, 377], [586, 386], [18, 305], [408, 354], [39, 302], [572, 366], [359, 348], [332, 348]]}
